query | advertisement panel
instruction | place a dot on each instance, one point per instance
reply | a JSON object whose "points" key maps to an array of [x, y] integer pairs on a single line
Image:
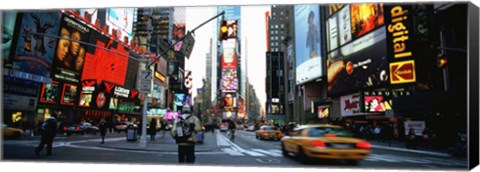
{"points": [[34, 53], [229, 101], [308, 43], [178, 99], [323, 111], [418, 127], [49, 93], [231, 13], [69, 93], [86, 94], [70, 54], [229, 58], [17, 86], [360, 60], [105, 65], [232, 28], [120, 22], [377, 104], [178, 34], [350, 105], [229, 80], [17, 102], [399, 19], [9, 19]]}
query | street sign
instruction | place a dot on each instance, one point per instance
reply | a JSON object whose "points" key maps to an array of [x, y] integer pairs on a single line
{"points": [[187, 45], [145, 81]]}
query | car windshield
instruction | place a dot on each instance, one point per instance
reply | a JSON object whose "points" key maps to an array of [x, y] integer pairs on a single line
{"points": [[321, 131], [270, 128]]}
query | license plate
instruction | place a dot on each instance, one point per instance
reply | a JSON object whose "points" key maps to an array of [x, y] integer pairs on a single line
{"points": [[340, 146]]}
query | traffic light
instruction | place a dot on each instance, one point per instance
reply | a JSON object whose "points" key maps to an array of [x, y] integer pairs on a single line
{"points": [[441, 60], [223, 31]]}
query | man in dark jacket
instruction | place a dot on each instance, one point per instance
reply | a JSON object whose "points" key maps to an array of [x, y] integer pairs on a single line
{"points": [[49, 129], [103, 129], [153, 129]]}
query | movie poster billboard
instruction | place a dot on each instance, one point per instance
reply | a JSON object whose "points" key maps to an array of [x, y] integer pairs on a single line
{"points": [[9, 19], [350, 105], [86, 93], [105, 65], [121, 21], [69, 93], [232, 13], [70, 52], [178, 34], [308, 49], [229, 80], [49, 93], [34, 52], [359, 61]]}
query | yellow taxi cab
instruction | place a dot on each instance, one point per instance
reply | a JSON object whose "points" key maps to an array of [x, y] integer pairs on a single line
{"points": [[324, 141], [268, 132], [9, 132]]}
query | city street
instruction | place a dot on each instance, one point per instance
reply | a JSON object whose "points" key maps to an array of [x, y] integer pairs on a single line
{"points": [[246, 152]]}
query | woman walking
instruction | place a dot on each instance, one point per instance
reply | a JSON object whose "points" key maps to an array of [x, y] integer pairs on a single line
{"points": [[103, 129]]}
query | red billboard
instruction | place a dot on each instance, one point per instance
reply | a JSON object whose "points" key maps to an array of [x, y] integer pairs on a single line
{"points": [[107, 65], [377, 104], [229, 58]]}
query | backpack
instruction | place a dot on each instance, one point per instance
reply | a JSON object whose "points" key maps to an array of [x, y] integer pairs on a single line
{"points": [[184, 130]]}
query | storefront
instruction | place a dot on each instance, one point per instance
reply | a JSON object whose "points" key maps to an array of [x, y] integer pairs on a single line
{"points": [[19, 101]]}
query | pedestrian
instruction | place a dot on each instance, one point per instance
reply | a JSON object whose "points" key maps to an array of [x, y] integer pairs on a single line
{"points": [[153, 129], [184, 131], [48, 131], [102, 126], [411, 139], [377, 132]]}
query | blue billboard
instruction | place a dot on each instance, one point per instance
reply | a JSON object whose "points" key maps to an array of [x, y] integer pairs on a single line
{"points": [[308, 50], [231, 13]]}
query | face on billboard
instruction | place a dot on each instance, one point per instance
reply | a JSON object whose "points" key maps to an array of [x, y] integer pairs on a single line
{"points": [[229, 80], [70, 53], [356, 60], [307, 43], [34, 53], [178, 31], [232, 28], [8, 27]]}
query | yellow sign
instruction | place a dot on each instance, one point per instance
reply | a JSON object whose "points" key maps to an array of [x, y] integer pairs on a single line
{"points": [[402, 72], [160, 76]]}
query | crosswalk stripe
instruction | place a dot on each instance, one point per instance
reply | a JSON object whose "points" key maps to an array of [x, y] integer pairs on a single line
{"points": [[252, 153], [232, 152], [267, 152]]}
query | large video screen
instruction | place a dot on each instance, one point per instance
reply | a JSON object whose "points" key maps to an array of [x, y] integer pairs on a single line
{"points": [[229, 80], [70, 53], [34, 53], [104, 65], [357, 52], [308, 50], [229, 58]]}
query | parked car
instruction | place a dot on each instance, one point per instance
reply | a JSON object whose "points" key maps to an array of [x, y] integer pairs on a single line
{"points": [[324, 142], [122, 126], [224, 127], [9, 132]]}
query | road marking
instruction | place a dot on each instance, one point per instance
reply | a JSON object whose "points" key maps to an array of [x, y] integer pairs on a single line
{"points": [[268, 152], [234, 146], [409, 150]]}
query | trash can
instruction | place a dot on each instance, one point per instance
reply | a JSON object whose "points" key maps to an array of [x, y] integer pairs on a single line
{"points": [[131, 133]]}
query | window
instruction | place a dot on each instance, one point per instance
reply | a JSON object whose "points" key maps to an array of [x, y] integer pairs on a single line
{"points": [[271, 32], [281, 13], [276, 26], [274, 13], [281, 26], [273, 44], [271, 26], [283, 38]]}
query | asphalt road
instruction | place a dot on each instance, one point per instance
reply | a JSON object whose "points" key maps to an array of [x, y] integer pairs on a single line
{"points": [[246, 151]]}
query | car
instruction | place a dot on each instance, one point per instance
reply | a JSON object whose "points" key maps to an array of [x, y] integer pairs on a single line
{"points": [[122, 126], [81, 128], [324, 141], [10, 132], [251, 128], [224, 127], [268, 132]]}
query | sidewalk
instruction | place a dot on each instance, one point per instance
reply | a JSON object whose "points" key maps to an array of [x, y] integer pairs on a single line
{"points": [[398, 145], [160, 144]]}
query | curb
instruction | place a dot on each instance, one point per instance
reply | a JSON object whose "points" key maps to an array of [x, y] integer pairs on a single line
{"points": [[154, 150], [409, 150]]}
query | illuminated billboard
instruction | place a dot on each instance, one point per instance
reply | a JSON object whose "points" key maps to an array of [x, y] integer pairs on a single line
{"points": [[350, 105], [69, 94], [357, 52], [70, 53], [105, 65], [308, 49], [377, 104], [229, 58], [120, 21], [49, 93], [178, 34], [8, 27], [323, 112], [34, 53], [229, 80], [86, 94]]}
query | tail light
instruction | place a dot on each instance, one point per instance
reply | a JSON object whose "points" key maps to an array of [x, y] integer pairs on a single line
{"points": [[280, 133], [330, 135], [78, 128], [318, 143], [65, 128], [364, 145], [264, 133]]}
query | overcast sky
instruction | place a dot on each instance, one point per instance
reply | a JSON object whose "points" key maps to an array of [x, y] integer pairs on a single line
{"points": [[253, 31]]}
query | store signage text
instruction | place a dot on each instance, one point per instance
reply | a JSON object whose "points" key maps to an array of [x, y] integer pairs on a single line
{"points": [[399, 32], [387, 93], [402, 72], [119, 91]]}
